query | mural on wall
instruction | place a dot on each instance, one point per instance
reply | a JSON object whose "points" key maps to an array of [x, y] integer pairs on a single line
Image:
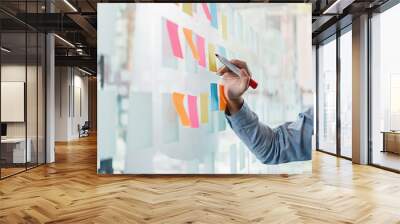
{"points": [[161, 105]]}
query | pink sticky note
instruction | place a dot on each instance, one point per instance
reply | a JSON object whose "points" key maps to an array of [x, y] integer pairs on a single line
{"points": [[201, 50], [174, 38], [193, 114], [206, 10]]}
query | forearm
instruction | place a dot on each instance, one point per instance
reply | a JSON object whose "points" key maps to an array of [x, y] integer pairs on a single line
{"points": [[256, 136], [286, 143]]}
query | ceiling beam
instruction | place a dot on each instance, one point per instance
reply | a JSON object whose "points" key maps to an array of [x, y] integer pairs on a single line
{"points": [[81, 61]]}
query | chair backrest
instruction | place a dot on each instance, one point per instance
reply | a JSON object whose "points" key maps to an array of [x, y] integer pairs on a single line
{"points": [[86, 124]]}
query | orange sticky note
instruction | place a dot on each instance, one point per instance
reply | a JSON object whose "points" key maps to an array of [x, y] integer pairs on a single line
{"points": [[222, 98], [211, 58], [189, 38], [204, 102], [177, 99], [187, 8]]}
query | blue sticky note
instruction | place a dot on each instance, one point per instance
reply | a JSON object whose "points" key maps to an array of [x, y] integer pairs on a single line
{"points": [[214, 17], [214, 96]]}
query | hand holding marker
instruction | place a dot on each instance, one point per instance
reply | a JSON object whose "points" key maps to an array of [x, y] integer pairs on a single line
{"points": [[253, 84]]}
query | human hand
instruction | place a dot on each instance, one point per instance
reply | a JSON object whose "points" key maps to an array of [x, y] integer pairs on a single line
{"points": [[235, 86]]}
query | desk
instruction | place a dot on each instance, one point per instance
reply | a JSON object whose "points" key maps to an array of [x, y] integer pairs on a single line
{"points": [[391, 141], [15, 148]]}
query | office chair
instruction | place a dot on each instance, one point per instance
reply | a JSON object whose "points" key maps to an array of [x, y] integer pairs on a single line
{"points": [[84, 130]]}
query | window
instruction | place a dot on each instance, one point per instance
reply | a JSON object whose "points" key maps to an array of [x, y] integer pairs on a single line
{"points": [[346, 94], [327, 97], [385, 85]]}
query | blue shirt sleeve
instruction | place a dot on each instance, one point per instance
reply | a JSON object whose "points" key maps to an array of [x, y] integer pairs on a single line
{"points": [[288, 142]]}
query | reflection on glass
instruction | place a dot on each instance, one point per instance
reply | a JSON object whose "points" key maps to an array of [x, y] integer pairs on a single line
{"points": [[31, 100], [22, 90], [327, 97], [346, 94], [386, 89], [14, 146], [41, 79]]}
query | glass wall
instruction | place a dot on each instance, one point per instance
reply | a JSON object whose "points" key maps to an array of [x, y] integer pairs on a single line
{"points": [[327, 96], [346, 93], [385, 85], [13, 86], [22, 91]]}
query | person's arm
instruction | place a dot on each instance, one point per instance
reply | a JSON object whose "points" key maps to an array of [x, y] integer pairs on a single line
{"points": [[286, 143]]}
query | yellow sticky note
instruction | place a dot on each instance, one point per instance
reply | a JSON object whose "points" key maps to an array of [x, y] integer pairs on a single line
{"points": [[187, 8], [204, 102], [211, 58], [224, 27]]}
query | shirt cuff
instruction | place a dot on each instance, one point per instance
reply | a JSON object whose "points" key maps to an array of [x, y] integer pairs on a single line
{"points": [[240, 118]]}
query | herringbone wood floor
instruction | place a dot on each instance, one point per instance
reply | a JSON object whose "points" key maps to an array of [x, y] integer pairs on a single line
{"points": [[70, 191]]}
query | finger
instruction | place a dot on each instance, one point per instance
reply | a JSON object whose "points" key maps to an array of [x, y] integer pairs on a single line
{"points": [[244, 73], [222, 70], [230, 75], [240, 64]]}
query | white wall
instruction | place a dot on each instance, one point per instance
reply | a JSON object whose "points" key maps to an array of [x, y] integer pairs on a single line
{"points": [[70, 83]]}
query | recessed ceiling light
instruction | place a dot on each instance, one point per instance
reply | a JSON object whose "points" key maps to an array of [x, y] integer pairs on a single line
{"points": [[64, 40], [70, 5], [5, 50], [84, 71]]}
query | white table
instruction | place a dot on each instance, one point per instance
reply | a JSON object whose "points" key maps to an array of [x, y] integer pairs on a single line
{"points": [[19, 155]]}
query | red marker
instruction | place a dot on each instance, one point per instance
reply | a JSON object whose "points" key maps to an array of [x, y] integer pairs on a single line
{"points": [[253, 84]]}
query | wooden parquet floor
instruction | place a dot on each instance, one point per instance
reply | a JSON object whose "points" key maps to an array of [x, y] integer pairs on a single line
{"points": [[70, 191]]}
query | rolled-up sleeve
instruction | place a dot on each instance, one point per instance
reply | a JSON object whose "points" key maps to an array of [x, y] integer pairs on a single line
{"points": [[288, 142]]}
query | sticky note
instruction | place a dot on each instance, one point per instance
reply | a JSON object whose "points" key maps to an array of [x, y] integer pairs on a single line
{"points": [[214, 16], [206, 10], [201, 50], [214, 96], [224, 27], [193, 114], [189, 39], [168, 60], [172, 29], [204, 102], [222, 98], [177, 99], [211, 58], [191, 64], [187, 8]]}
